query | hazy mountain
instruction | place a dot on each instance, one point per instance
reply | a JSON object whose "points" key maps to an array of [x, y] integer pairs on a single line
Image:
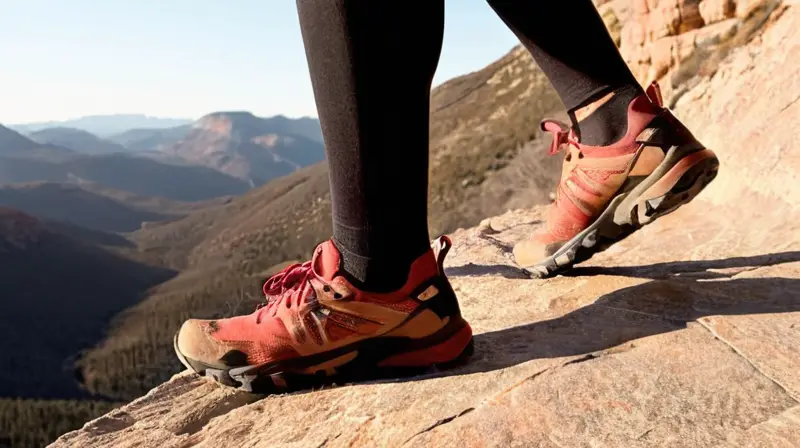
{"points": [[24, 160], [150, 139], [14, 145], [160, 139], [248, 147], [305, 127], [105, 125], [73, 204], [14, 142], [77, 140], [137, 175]]}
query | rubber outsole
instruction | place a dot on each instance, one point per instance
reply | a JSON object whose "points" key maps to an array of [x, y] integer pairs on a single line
{"points": [[630, 211], [358, 362]]}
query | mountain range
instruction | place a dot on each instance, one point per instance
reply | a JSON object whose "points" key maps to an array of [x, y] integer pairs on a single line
{"points": [[76, 140], [150, 139], [12, 142], [222, 154], [74, 204], [105, 125], [248, 147]]}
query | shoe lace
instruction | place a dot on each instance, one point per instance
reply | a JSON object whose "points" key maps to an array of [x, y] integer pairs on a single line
{"points": [[562, 135], [285, 279], [284, 286]]}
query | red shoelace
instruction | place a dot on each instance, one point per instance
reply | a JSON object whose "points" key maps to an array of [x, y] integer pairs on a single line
{"points": [[562, 135], [284, 285], [286, 279]]}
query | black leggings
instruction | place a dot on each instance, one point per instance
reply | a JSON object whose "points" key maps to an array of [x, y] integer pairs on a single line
{"points": [[372, 64]]}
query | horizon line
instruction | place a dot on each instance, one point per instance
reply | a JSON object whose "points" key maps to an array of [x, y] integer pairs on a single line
{"points": [[159, 117]]}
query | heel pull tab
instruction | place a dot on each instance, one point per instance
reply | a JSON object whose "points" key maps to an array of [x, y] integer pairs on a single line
{"points": [[441, 246], [653, 92]]}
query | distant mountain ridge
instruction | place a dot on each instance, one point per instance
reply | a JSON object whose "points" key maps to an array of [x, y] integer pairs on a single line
{"points": [[14, 145], [222, 154], [126, 128], [77, 140], [70, 203], [251, 148], [23, 160], [12, 141], [304, 126], [106, 125], [137, 175], [152, 139]]}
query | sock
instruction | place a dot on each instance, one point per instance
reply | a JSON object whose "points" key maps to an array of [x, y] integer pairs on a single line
{"points": [[380, 275], [609, 122]]}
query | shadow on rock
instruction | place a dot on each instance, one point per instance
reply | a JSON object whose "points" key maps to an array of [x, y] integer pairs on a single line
{"points": [[477, 270], [695, 269], [655, 307], [680, 292]]}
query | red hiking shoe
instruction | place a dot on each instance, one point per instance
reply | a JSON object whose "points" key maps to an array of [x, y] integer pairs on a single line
{"points": [[317, 328], [608, 192]]}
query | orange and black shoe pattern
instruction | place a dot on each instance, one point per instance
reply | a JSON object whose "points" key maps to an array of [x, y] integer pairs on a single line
{"points": [[607, 192], [317, 328]]}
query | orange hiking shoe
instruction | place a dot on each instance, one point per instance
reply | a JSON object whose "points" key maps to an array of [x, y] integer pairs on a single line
{"points": [[317, 328], [607, 192]]}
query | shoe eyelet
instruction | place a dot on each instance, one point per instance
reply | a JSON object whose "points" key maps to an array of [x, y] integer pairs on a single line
{"points": [[337, 296], [569, 157], [326, 288], [580, 155]]}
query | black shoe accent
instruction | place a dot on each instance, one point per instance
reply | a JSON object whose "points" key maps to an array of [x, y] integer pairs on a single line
{"points": [[234, 358]]}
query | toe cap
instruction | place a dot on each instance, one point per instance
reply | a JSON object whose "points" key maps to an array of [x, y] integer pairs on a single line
{"points": [[195, 341], [533, 251]]}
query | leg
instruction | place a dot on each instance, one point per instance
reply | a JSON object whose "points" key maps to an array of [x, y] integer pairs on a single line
{"points": [[587, 76], [374, 301], [372, 88]]}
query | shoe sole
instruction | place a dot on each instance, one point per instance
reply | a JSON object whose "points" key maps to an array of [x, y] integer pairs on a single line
{"points": [[676, 182], [371, 359]]}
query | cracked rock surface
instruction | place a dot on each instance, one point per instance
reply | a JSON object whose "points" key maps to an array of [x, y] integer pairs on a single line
{"points": [[685, 334]]}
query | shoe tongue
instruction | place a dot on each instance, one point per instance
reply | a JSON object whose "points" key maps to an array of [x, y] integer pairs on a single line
{"points": [[326, 261]]}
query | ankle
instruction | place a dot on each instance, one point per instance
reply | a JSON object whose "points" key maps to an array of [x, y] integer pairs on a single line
{"points": [[605, 120], [377, 274]]}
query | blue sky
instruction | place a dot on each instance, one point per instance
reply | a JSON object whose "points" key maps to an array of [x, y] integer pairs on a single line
{"points": [[185, 58]]}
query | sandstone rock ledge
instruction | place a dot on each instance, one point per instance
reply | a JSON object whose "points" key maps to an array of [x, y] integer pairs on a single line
{"points": [[686, 334]]}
